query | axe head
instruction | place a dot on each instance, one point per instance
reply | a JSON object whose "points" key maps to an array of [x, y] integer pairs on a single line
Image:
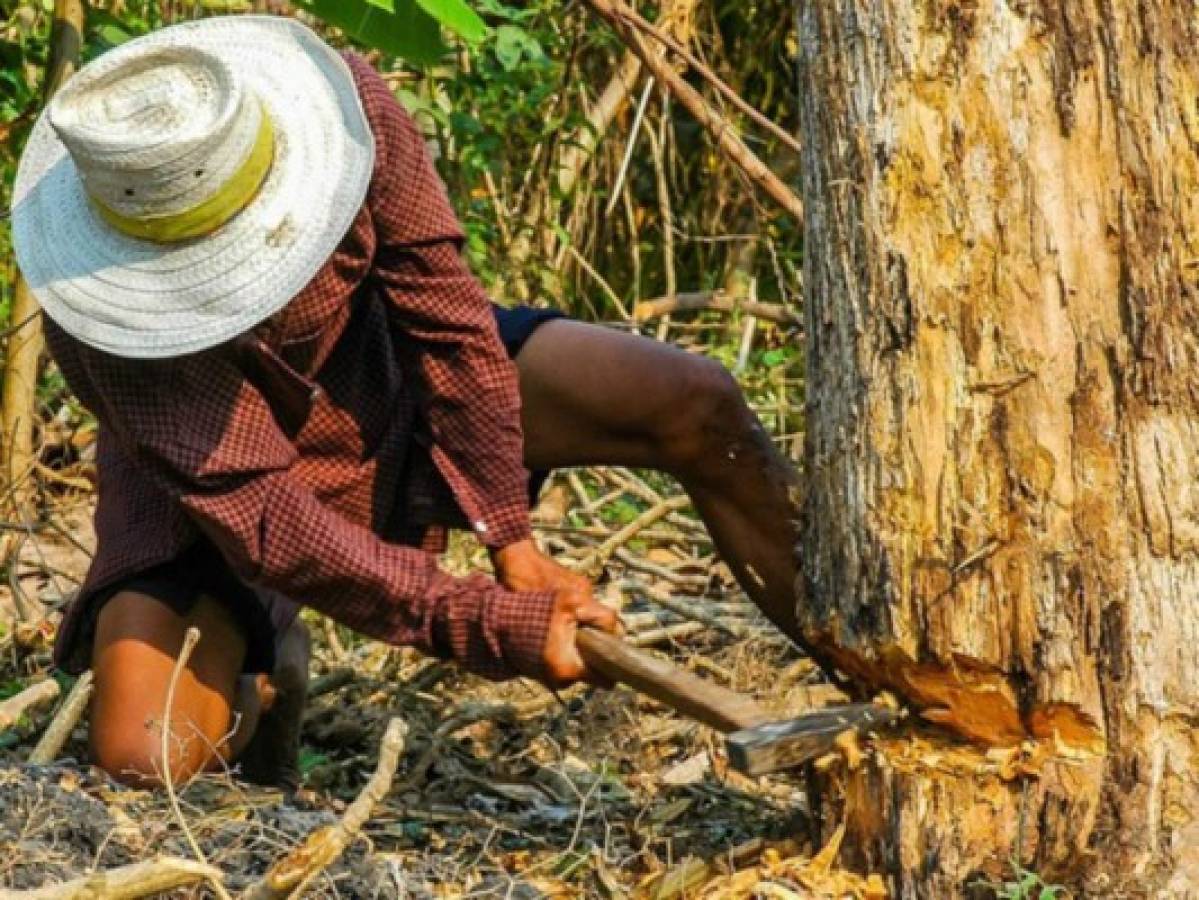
{"points": [[771, 746]]}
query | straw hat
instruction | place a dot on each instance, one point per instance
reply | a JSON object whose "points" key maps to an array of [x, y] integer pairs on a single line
{"points": [[185, 186]]}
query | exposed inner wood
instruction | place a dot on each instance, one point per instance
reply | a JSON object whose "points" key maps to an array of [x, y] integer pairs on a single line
{"points": [[976, 704]]}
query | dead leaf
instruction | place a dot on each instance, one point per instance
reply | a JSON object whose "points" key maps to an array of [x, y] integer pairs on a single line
{"points": [[671, 811], [689, 771], [677, 882]]}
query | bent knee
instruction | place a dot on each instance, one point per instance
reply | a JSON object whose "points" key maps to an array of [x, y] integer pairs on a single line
{"points": [[708, 422], [135, 757]]}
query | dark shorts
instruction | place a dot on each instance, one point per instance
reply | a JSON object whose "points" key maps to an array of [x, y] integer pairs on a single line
{"points": [[202, 571]]}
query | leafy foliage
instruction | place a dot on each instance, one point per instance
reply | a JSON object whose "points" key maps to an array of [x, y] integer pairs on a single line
{"points": [[400, 29], [408, 29], [1027, 885], [503, 91]]}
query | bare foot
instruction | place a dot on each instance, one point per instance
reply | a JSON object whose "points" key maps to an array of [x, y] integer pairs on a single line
{"points": [[273, 754]]}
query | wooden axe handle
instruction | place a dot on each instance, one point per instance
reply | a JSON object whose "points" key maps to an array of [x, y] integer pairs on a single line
{"points": [[717, 706]]}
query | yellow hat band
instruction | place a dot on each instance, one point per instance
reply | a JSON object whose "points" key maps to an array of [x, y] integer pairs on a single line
{"points": [[204, 218]]}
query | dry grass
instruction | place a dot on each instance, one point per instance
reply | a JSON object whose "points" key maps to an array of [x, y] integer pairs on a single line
{"points": [[503, 791]]}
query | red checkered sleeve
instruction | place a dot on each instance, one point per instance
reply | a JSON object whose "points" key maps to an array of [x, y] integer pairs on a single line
{"points": [[208, 437], [469, 389]]}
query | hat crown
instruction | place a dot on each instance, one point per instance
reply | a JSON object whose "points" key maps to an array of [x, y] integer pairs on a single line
{"points": [[156, 133]]}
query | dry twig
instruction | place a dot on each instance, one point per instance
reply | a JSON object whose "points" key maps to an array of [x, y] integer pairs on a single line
{"points": [[143, 879], [64, 723], [695, 611], [32, 697], [616, 13], [666, 633], [714, 300], [633, 17], [291, 875], [190, 639], [594, 562]]}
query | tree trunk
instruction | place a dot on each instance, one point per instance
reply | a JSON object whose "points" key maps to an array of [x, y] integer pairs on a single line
{"points": [[1001, 518]]}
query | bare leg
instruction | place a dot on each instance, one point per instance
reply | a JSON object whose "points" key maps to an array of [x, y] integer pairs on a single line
{"points": [[216, 709], [594, 396], [273, 754]]}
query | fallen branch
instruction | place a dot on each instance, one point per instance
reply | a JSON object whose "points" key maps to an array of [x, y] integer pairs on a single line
{"points": [[290, 875], [462, 717], [596, 560], [695, 612], [667, 633], [667, 535], [616, 13], [64, 723], [722, 301], [639, 564], [633, 17], [143, 879], [32, 697]]}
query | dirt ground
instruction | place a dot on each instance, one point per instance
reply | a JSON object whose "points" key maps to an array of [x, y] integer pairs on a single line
{"points": [[502, 790]]}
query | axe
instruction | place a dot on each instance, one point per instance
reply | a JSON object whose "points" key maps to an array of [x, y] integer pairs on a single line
{"points": [[757, 743]]}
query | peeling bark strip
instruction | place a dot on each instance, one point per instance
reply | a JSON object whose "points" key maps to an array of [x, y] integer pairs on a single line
{"points": [[1001, 514]]}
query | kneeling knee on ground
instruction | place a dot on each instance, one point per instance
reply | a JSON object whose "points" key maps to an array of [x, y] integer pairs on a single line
{"points": [[132, 752]]}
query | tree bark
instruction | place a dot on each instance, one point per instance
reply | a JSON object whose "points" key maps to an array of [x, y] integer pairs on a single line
{"points": [[1001, 522]]}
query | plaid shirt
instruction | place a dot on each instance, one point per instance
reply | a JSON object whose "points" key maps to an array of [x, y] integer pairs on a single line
{"points": [[412, 419]]}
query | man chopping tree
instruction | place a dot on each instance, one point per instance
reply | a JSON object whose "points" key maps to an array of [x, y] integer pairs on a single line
{"points": [[252, 277]]}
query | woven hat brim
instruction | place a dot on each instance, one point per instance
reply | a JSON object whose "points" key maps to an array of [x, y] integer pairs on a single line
{"points": [[140, 299]]}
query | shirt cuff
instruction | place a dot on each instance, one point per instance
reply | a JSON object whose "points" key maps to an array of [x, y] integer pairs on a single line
{"points": [[502, 526], [492, 632], [521, 621]]}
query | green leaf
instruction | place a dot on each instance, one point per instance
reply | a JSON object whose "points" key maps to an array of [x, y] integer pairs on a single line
{"points": [[504, 11], [512, 44], [406, 31], [310, 759], [457, 17], [111, 35], [570, 862], [107, 28], [11, 688], [419, 106]]}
